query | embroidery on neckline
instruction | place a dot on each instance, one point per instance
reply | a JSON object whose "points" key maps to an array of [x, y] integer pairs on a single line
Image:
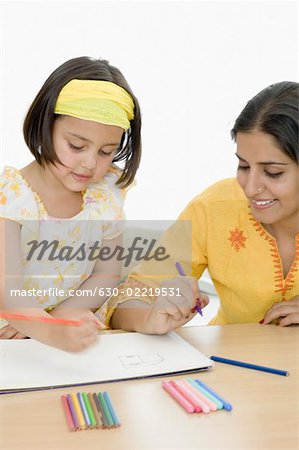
{"points": [[281, 284], [237, 239]]}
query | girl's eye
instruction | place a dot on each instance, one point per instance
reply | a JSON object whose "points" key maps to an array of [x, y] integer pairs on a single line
{"points": [[105, 154], [74, 147], [243, 167], [273, 175]]}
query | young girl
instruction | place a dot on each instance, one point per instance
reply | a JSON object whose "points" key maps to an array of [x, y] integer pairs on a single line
{"points": [[69, 199], [244, 230]]}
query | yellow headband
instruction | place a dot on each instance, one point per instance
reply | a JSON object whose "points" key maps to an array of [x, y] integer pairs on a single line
{"points": [[98, 101]]}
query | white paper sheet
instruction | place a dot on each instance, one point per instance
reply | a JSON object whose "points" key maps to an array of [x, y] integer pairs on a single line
{"points": [[28, 364]]}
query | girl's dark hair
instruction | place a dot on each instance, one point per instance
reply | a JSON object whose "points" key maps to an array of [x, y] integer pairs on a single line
{"points": [[39, 121], [274, 111]]}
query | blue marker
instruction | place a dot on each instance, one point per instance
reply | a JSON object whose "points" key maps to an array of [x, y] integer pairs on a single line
{"points": [[182, 273]]}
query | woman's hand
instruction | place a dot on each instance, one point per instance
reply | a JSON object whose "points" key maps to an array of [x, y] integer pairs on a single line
{"points": [[170, 312], [8, 332], [174, 307], [285, 313]]}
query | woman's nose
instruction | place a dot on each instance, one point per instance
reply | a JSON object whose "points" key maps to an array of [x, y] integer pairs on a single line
{"points": [[253, 186]]}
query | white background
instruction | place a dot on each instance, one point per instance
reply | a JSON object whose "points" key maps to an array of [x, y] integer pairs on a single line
{"points": [[192, 65]]}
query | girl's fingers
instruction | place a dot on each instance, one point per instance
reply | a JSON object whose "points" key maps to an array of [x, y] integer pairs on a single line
{"points": [[20, 336], [8, 332]]}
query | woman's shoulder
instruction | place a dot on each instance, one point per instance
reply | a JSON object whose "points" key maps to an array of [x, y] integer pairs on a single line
{"points": [[226, 190], [223, 196], [16, 198]]}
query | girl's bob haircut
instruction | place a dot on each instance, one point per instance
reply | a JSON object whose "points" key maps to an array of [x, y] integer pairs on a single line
{"points": [[274, 111], [39, 121]]}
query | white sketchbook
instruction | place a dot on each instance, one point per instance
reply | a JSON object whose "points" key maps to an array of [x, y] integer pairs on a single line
{"points": [[29, 365]]}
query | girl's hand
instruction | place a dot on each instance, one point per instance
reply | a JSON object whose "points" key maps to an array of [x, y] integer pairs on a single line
{"points": [[285, 313], [170, 312], [74, 338], [8, 332]]}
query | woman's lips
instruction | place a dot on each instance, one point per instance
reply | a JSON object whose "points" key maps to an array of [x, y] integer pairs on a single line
{"points": [[263, 204]]}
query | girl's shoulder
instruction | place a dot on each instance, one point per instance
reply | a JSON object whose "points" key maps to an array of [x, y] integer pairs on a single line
{"points": [[106, 190], [105, 196], [105, 202], [17, 201]]}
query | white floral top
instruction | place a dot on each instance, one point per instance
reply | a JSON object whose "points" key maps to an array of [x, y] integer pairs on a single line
{"points": [[101, 218]]}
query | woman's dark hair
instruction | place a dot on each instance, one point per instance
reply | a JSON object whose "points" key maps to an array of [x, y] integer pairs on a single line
{"points": [[39, 121], [274, 111]]}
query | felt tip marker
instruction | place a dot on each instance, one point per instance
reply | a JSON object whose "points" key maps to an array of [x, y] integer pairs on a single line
{"points": [[182, 273]]}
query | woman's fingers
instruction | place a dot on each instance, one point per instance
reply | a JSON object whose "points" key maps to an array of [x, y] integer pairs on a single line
{"points": [[282, 310], [289, 320], [181, 305]]}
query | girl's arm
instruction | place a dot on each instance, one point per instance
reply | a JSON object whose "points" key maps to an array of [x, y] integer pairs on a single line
{"points": [[70, 338], [105, 276]]}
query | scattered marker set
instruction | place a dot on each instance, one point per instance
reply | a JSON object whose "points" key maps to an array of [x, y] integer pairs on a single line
{"points": [[195, 396], [89, 411]]}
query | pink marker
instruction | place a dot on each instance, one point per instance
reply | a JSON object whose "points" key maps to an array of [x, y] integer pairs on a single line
{"points": [[190, 395], [201, 396], [178, 397]]}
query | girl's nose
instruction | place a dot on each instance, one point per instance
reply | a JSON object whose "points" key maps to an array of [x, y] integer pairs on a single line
{"points": [[89, 161]]}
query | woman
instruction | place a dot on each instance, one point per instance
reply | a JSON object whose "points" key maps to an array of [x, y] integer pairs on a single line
{"points": [[244, 230]]}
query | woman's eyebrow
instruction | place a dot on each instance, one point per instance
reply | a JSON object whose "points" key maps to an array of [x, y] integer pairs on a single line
{"points": [[267, 163]]}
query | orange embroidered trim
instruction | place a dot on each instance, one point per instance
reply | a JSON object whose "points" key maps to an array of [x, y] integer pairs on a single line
{"points": [[281, 285], [2, 199], [237, 239]]}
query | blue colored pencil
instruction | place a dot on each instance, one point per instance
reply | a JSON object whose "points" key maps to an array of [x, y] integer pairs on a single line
{"points": [[183, 274], [250, 366], [84, 410], [227, 406], [111, 409], [106, 410]]}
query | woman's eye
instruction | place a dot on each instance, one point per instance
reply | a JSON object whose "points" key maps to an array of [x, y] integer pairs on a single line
{"points": [[273, 175]]}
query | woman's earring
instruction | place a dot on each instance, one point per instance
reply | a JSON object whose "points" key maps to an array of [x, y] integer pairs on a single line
{"points": [[39, 150]]}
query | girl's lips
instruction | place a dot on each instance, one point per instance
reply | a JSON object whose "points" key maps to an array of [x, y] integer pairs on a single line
{"points": [[81, 178], [263, 204]]}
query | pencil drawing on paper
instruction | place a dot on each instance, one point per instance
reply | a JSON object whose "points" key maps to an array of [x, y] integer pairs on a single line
{"points": [[147, 359]]}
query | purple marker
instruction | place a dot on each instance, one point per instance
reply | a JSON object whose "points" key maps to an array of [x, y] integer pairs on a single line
{"points": [[182, 273]]}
